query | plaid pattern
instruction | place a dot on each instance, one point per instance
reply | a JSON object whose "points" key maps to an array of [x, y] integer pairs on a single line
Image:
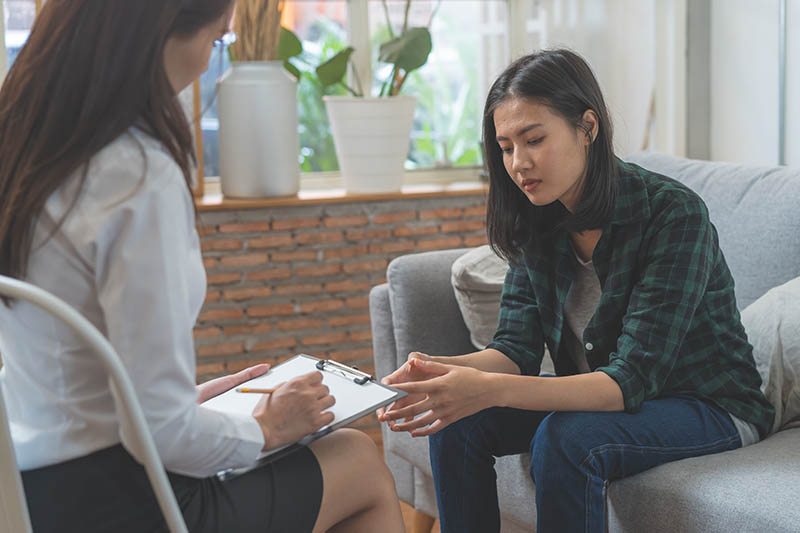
{"points": [[666, 323]]}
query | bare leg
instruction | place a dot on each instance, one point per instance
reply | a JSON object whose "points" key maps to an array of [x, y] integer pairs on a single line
{"points": [[423, 523], [358, 489]]}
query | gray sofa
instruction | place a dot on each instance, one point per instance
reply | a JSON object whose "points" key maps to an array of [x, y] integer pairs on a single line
{"points": [[757, 214]]}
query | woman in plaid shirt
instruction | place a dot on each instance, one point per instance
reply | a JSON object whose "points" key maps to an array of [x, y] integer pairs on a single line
{"points": [[619, 271]]}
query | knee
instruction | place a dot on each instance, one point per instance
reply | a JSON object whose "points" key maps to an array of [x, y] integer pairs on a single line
{"points": [[558, 443], [365, 456], [471, 432], [357, 445]]}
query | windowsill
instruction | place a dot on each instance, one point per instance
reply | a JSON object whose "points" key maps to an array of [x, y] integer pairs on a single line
{"points": [[419, 184]]}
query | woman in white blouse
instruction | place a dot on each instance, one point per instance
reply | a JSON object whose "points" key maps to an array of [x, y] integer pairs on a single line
{"points": [[95, 159]]}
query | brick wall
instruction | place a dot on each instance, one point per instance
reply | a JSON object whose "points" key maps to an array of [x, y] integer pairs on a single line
{"points": [[292, 279]]}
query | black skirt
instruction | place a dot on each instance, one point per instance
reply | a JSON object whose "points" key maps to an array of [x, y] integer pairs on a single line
{"points": [[109, 491]]}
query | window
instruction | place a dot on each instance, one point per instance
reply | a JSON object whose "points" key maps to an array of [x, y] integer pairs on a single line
{"points": [[450, 88], [321, 26], [470, 46], [447, 120], [18, 16]]}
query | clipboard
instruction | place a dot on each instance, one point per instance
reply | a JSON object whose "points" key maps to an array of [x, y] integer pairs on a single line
{"points": [[357, 394]]}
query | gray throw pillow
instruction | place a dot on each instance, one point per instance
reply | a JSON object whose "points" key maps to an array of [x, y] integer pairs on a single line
{"points": [[772, 324], [477, 278]]}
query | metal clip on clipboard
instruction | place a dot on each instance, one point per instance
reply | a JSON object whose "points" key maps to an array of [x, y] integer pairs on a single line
{"points": [[345, 371]]}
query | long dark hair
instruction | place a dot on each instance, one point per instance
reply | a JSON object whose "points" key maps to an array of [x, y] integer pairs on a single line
{"points": [[563, 81], [90, 70]]}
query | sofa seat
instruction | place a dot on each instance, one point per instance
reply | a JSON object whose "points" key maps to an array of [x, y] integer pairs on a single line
{"points": [[753, 489]]}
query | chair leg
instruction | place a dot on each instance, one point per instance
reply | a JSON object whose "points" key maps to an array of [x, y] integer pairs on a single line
{"points": [[423, 523]]}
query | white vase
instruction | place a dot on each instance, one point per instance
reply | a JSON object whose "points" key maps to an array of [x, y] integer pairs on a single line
{"points": [[371, 137], [258, 138]]}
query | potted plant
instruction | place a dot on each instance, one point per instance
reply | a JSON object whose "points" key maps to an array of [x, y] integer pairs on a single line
{"points": [[258, 139], [371, 133]]}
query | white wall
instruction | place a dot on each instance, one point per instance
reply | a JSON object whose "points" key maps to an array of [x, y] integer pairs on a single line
{"points": [[617, 38], [744, 81], [793, 84]]}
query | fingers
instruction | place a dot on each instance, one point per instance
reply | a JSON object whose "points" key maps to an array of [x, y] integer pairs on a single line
{"points": [[419, 356], [326, 402], [398, 376], [312, 378], [418, 387], [430, 430], [424, 420], [324, 419], [430, 367], [402, 373], [410, 411], [253, 371]]}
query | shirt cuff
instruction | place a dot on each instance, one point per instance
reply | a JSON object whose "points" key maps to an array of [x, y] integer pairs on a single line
{"points": [[251, 437], [629, 384], [529, 365]]}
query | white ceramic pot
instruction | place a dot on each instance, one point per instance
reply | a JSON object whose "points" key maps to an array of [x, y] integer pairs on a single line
{"points": [[258, 139], [371, 137]]}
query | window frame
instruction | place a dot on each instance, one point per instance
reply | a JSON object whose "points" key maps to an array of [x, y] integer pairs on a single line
{"points": [[358, 36]]}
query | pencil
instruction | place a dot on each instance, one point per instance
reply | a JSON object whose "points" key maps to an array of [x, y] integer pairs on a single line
{"points": [[257, 391]]}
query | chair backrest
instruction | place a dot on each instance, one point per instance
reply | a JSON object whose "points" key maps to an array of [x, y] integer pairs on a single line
{"points": [[13, 508], [11, 492]]}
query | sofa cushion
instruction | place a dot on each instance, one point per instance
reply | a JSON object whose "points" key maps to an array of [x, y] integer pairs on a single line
{"points": [[477, 278], [772, 324], [751, 489], [755, 212]]}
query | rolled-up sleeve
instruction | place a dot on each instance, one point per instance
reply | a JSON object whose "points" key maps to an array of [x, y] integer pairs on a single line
{"points": [[519, 332], [676, 269], [150, 281]]}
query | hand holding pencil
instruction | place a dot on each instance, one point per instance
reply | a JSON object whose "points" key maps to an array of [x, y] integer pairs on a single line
{"points": [[257, 391], [293, 409]]}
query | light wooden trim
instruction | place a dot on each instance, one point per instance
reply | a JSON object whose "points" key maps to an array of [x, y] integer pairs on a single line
{"points": [[38, 6], [214, 201], [197, 115]]}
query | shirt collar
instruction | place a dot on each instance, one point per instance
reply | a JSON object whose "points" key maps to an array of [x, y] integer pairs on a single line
{"points": [[633, 202]]}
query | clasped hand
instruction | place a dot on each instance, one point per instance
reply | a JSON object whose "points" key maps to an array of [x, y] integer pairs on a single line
{"points": [[438, 395]]}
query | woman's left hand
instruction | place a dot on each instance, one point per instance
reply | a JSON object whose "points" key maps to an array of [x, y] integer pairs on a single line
{"points": [[452, 393], [215, 387]]}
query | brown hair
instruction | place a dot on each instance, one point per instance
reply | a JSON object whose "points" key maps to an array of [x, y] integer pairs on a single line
{"points": [[90, 70]]}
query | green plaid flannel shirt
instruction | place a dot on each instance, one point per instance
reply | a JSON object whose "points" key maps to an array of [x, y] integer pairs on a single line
{"points": [[666, 323]]}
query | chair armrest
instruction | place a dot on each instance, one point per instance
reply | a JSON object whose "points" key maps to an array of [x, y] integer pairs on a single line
{"points": [[425, 314]]}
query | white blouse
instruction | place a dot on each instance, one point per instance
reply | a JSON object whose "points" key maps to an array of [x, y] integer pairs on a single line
{"points": [[127, 257]]}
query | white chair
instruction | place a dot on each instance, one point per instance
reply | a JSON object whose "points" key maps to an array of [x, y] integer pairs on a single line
{"points": [[13, 507]]}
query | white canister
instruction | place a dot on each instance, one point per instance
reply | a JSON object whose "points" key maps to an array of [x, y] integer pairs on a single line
{"points": [[372, 137], [258, 137]]}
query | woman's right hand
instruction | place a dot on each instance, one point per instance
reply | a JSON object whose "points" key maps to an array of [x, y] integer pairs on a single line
{"points": [[296, 409], [405, 374]]}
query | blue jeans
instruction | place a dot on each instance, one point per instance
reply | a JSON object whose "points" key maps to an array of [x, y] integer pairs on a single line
{"points": [[573, 457]]}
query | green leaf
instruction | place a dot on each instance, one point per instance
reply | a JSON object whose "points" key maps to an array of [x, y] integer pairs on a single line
{"points": [[469, 157], [408, 51], [333, 70], [289, 45], [293, 70]]}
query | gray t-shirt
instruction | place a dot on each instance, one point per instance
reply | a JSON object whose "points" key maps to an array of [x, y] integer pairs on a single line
{"points": [[579, 307]]}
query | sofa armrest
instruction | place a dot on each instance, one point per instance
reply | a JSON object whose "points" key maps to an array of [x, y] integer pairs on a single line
{"points": [[425, 314], [380, 316]]}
